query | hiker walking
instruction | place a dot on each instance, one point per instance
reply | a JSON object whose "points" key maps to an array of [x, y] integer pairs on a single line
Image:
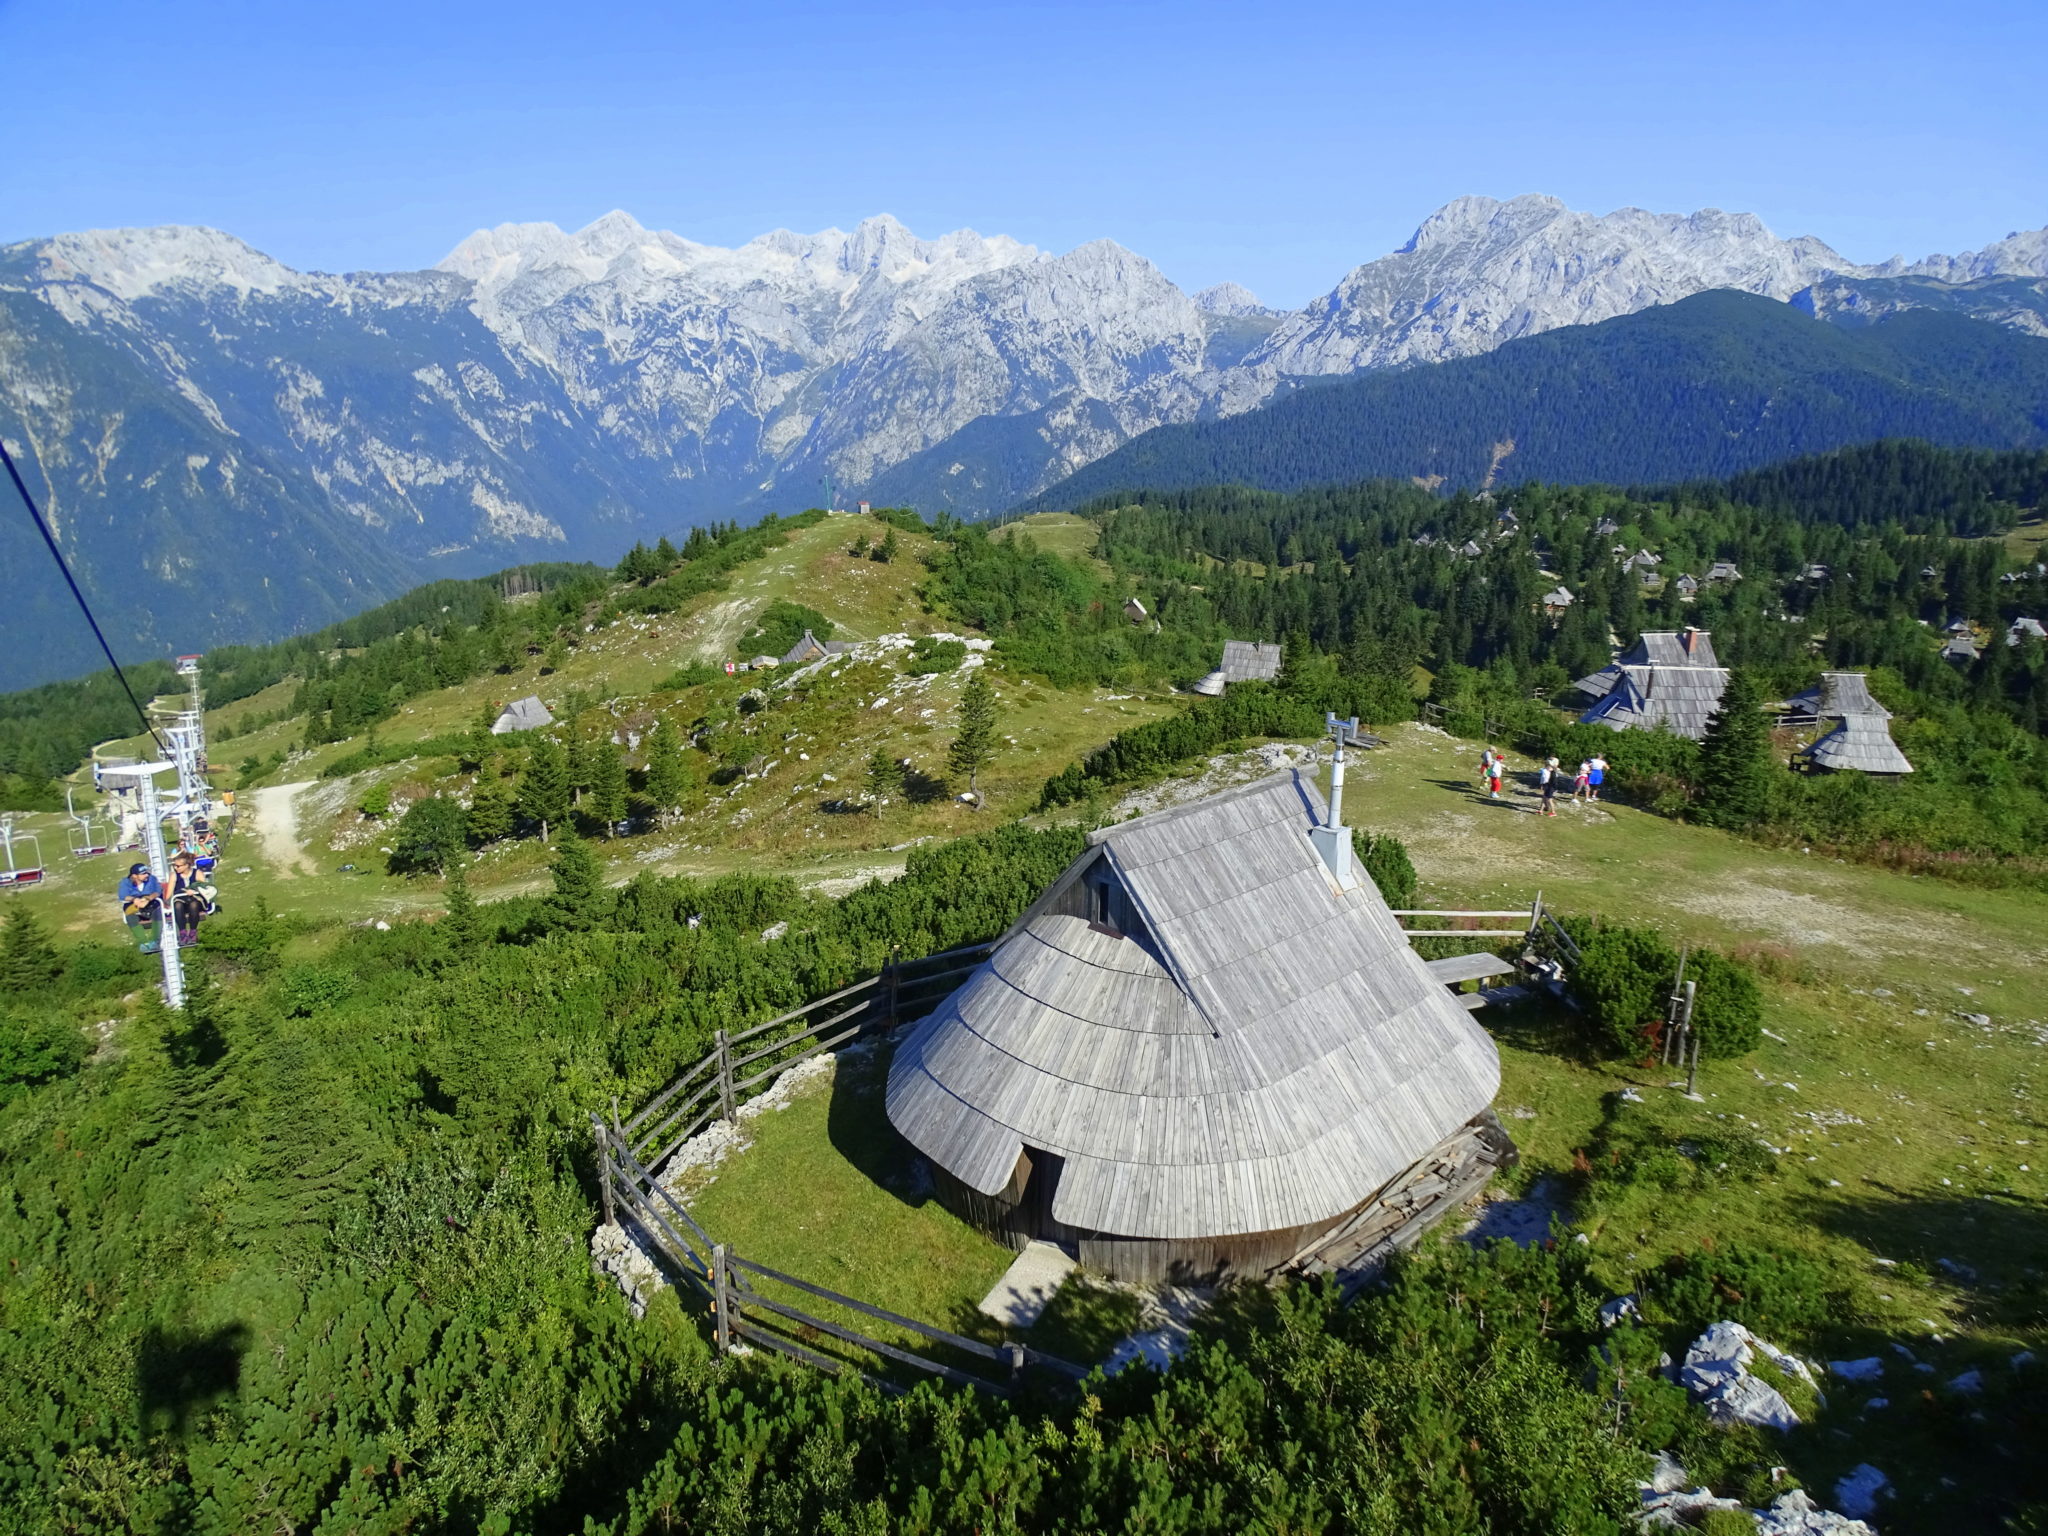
{"points": [[1548, 778], [1596, 770], [1485, 767], [1585, 778], [1493, 773]]}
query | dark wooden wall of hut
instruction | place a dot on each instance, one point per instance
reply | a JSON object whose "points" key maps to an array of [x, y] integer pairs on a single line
{"points": [[1022, 1211]]}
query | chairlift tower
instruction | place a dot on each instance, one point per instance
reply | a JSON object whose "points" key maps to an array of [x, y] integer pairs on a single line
{"points": [[145, 775], [185, 738]]}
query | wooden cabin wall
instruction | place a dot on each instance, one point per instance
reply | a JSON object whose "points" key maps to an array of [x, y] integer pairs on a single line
{"points": [[1002, 1215], [1197, 1261]]}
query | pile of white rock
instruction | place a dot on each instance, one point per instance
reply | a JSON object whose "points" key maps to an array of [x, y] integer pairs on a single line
{"points": [[1716, 1372]]}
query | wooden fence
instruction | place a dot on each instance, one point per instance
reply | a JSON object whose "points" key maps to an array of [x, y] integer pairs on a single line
{"points": [[1537, 920], [750, 1302]]}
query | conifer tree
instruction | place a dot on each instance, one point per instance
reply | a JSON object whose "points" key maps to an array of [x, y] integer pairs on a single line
{"points": [[668, 776], [461, 923], [544, 792], [884, 778], [28, 960], [665, 556], [886, 550], [578, 900], [479, 744], [490, 813], [582, 759], [607, 801], [1735, 756], [975, 743]]}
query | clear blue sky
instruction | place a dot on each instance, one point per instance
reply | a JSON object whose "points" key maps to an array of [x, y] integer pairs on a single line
{"points": [[1276, 144]]}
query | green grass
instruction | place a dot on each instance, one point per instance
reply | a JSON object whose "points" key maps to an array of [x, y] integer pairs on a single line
{"points": [[814, 739], [1874, 1100], [1066, 534], [828, 1192]]}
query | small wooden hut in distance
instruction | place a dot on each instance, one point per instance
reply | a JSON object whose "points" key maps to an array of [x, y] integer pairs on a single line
{"points": [[1207, 1052]]}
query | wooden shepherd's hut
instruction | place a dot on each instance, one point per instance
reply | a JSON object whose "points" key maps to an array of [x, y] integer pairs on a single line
{"points": [[1208, 1051]]}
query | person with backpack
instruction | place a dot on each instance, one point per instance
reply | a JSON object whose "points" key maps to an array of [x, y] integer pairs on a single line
{"points": [[142, 906], [1548, 778], [1494, 772]]}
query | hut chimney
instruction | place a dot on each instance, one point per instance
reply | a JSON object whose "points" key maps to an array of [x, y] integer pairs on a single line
{"points": [[1333, 839]]}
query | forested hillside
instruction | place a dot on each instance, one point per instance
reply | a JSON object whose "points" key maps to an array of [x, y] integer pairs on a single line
{"points": [[1710, 386], [315, 1251]]}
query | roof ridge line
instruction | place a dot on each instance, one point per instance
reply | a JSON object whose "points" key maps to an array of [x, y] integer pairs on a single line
{"points": [[1102, 835]]}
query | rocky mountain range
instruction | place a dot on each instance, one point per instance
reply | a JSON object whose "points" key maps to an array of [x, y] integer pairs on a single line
{"points": [[230, 448]]}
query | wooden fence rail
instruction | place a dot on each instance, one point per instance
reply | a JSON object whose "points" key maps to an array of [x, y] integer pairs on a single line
{"points": [[631, 1153], [714, 1087]]}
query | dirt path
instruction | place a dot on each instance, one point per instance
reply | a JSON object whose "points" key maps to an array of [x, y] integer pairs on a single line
{"points": [[277, 826]]}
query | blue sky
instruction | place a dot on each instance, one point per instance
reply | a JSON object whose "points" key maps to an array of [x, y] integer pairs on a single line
{"points": [[1278, 144]]}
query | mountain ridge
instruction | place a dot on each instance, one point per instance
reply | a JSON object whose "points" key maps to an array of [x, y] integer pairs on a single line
{"points": [[542, 393], [1713, 385]]}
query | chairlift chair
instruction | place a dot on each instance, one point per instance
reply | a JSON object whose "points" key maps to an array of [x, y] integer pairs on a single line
{"points": [[84, 844], [19, 873]]}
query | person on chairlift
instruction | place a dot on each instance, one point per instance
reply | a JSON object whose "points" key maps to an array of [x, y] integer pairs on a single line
{"points": [[192, 896], [142, 906]]}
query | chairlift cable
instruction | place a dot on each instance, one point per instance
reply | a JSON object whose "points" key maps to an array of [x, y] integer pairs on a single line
{"points": [[83, 606]]}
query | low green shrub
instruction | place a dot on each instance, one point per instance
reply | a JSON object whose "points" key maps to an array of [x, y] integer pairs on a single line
{"points": [[1772, 1290], [929, 656]]}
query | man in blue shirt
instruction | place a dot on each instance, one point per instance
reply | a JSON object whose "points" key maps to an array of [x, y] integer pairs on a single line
{"points": [[142, 905]]}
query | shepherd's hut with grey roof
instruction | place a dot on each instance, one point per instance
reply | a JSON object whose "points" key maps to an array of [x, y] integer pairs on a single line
{"points": [[1669, 680], [527, 714], [1208, 1051], [1861, 741], [811, 648], [1250, 661]]}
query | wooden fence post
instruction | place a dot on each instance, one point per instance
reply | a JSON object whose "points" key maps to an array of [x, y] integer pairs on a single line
{"points": [[721, 1297], [604, 1168], [1016, 1352], [895, 982], [725, 1103]]}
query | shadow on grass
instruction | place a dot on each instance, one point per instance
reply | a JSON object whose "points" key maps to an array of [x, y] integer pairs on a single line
{"points": [[1994, 1251], [1948, 1418], [857, 1124]]}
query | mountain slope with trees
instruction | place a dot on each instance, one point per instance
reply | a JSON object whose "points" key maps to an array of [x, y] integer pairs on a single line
{"points": [[1710, 386]]}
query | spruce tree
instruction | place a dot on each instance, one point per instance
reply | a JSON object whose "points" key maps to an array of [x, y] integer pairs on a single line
{"points": [[975, 742], [607, 800], [544, 792], [582, 759], [490, 813], [668, 776], [884, 778], [1735, 757], [28, 960], [461, 924], [578, 900]]}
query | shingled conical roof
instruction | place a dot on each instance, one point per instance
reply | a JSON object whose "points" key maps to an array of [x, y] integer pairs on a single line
{"points": [[1225, 1043]]}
